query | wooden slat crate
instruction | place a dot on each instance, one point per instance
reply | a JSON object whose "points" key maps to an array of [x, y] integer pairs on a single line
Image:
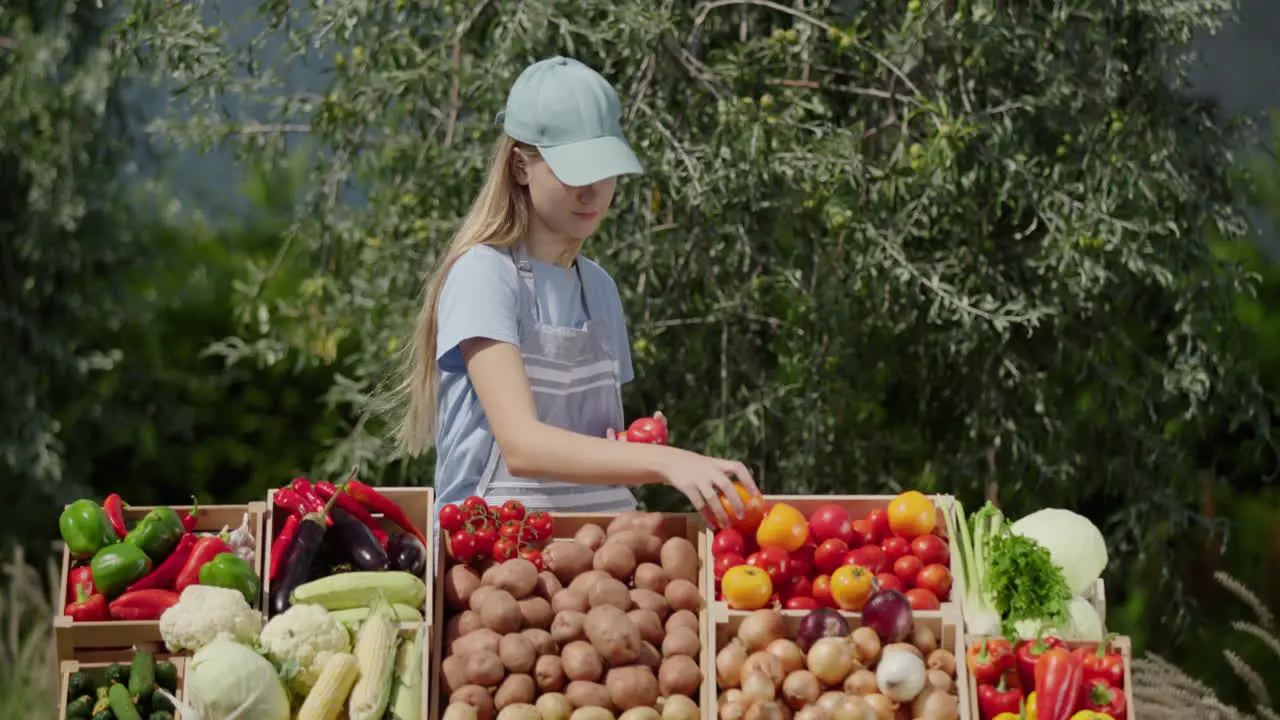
{"points": [[73, 639], [946, 624], [97, 667], [1121, 644], [566, 525]]}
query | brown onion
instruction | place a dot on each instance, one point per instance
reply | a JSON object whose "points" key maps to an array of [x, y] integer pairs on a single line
{"points": [[935, 705], [882, 706], [861, 682], [853, 708], [761, 628], [866, 645], [830, 700], [813, 712], [942, 660], [831, 659], [788, 653], [764, 662], [801, 688], [768, 711], [923, 637], [939, 680], [729, 662], [758, 688]]}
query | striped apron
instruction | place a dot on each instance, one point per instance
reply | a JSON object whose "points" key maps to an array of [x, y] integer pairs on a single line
{"points": [[576, 386]]}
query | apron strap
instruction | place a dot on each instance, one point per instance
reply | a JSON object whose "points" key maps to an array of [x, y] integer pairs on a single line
{"points": [[528, 293]]}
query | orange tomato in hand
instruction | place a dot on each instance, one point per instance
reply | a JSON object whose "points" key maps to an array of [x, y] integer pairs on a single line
{"points": [[911, 515], [783, 527], [753, 511], [746, 587], [851, 585]]}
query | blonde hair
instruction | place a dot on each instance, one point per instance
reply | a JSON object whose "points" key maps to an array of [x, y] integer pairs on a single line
{"points": [[499, 217]]}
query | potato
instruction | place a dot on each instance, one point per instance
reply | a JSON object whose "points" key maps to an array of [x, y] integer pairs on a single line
{"points": [[548, 673], [519, 711], [567, 559], [548, 585], [554, 706], [613, 635], [682, 595], [647, 548], [459, 582], [483, 668], [453, 673], [478, 698], [535, 612], [452, 629], [490, 573], [650, 600], [516, 653], [679, 675], [682, 618], [615, 559], [632, 687], [570, 599], [591, 535], [610, 592], [515, 689], [517, 576], [644, 713], [591, 713], [587, 580], [501, 612], [468, 622], [649, 625], [649, 656], [459, 711], [646, 523], [568, 626], [588, 694], [679, 707], [680, 560], [681, 642], [482, 640], [477, 597], [542, 642], [581, 662], [650, 577]]}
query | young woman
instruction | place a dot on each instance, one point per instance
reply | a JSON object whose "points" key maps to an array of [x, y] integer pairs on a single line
{"points": [[520, 351]]}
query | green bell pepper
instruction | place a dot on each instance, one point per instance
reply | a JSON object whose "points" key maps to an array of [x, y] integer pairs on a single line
{"points": [[229, 570], [85, 528], [157, 534], [116, 567]]}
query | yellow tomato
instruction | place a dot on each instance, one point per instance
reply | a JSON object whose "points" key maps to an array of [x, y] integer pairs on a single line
{"points": [[911, 515], [1091, 715], [783, 527], [851, 585], [746, 587], [753, 507]]}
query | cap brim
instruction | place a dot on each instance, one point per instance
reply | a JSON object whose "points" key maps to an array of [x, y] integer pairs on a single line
{"points": [[588, 162]]}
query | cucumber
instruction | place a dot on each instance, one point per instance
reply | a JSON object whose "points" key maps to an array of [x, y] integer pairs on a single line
{"points": [[361, 589], [142, 676], [122, 703]]}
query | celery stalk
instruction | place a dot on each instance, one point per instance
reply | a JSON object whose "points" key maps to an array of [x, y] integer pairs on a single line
{"points": [[968, 550]]}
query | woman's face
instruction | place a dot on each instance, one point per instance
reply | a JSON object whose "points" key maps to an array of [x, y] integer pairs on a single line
{"points": [[567, 211]]}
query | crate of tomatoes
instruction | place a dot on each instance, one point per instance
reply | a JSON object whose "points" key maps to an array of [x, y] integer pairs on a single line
{"points": [[799, 553], [1050, 679]]}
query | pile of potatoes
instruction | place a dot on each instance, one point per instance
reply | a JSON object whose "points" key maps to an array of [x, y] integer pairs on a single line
{"points": [[609, 626]]}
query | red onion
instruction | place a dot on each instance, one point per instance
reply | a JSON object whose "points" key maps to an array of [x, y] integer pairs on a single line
{"points": [[888, 612], [820, 623]]}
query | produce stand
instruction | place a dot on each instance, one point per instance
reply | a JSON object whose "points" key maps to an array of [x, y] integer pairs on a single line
{"points": [[73, 639], [97, 667]]}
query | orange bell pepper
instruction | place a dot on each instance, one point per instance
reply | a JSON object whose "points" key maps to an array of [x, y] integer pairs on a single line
{"points": [[783, 527]]}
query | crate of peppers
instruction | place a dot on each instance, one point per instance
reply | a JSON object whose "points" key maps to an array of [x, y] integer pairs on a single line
{"points": [[123, 566]]}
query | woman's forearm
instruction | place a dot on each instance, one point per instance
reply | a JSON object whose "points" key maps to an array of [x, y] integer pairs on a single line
{"points": [[548, 452]]}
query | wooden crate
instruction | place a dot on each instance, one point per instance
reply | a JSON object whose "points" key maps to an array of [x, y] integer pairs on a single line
{"points": [[946, 624], [566, 525], [857, 506], [72, 639], [1122, 644], [417, 503], [98, 667]]}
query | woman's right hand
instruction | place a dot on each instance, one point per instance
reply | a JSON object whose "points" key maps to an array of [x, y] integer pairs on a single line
{"points": [[703, 479]]}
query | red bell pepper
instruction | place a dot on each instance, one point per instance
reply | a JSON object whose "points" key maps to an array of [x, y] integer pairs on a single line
{"points": [[80, 578], [1027, 654], [281, 543], [190, 517], [999, 698], [143, 604], [1101, 664], [375, 501], [1103, 697], [989, 659], [207, 547], [88, 607], [164, 575], [114, 506], [326, 490], [1058, 684]]}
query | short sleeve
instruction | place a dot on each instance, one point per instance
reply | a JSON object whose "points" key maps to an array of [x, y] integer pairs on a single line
{"points": [[480, 299]]}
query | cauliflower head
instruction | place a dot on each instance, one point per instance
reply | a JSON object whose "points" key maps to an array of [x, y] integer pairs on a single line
{"points": [[300, 640], [204, 612]]}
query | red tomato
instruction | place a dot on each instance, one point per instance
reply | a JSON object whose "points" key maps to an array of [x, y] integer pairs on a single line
{"points": [[830, 522], [802, 561], [510, 529], [474, 504], [774, 561], [511, 510], [539, 525], [907, 568], [728, 542], [451, 518], [830, 555], [822, 591], [922, 599], [486, 538], [753, 515], [862, 534], [462, 546], [533, 555], [647, 430], [889, 581], [931, 549], [935, 578], [727, 561], [796, 586], [505, 549], [800, 602], [879, 522], [894, 548], [870, 557]]}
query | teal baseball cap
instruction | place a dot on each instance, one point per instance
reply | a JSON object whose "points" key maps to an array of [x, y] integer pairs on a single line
{"points": [[572, 115]]}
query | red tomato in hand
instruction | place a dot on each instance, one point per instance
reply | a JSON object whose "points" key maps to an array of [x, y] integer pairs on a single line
{"points": [[728, 542], [511, 510], [801, 561], [830, 555], [540, 526], [800, 602], [474, 504], [862, 534], [462, 546], [936, 579], [879, 522], [922, 599], [889, 581], [822, 591], [907, 568], [870, 557], [451, 518], [894, 548], [830, 522], [931, 549], [648, 430], [753, 515], [774, 561], [727, 561]]}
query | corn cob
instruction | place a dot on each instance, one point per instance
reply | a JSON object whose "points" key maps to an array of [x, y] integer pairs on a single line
{"points": [[406, 692], [375, 653], [360, 589], [327, 698]]}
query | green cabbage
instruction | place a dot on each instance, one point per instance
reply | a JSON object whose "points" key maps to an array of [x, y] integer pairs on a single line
{"points": [[229, 681], [1074, 543]]}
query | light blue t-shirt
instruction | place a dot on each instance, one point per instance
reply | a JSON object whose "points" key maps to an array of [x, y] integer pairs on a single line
{"points": [[481, 299]]}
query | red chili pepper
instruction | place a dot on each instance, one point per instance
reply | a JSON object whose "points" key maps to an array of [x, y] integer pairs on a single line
{"points": [[88, 607], [375, 501], [281, 543], [294, 503], [989, 659], [1103, 697], [143, 604], [303, 487], [1057, 684], [1028, 653], [326, 490], [999, 698], [1100, 664], [206, 548], [164, 575], [114, 506], [190, 517], [80, 578]]}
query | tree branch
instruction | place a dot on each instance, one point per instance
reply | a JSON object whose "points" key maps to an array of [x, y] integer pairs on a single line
{"points": [[455, 60]]}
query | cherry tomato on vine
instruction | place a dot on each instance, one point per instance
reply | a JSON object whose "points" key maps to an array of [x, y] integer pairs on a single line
{"points": [[462, 546], [534, 556], [510, 529], [540, 524], [474, 505], [486, 537], [511, 510], [451, 518], [504, 549]]}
